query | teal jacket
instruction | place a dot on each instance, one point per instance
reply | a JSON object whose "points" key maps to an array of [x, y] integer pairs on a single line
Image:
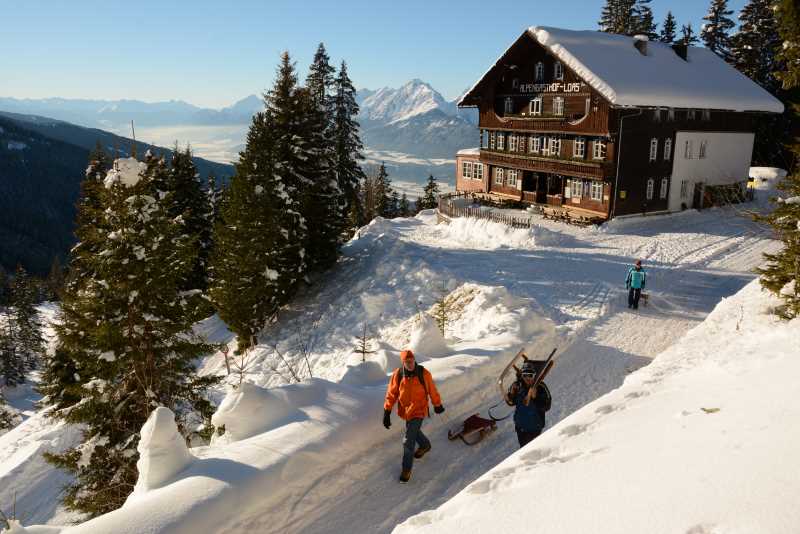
{"points": [[636, 278]]}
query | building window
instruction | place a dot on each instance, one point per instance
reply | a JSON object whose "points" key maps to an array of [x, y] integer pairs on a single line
{"points": [[512, 142], [667, 149], [466, 169], [596, 191], [650, 186], [684, 188], [664, 186], [701, 154], [535, 144], [657, 115], [509, 106], [515, 83], [576, 188], [484, 139], [536, 106], [653, 149], [671, 114], [706, 114], [579, 147], [498, 176], [555, 146], [558, 71], [558, 106], [690, 114], [501, 141], [478, 173], [511, 177], [599, 149], [545, 146], [492, 138], [687, 149], [538, 72]]}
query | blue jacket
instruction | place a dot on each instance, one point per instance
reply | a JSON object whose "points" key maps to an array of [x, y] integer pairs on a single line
{"points": [[530, 418], [636, 278]]}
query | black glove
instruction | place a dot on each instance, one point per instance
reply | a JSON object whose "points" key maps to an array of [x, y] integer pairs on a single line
{"points": [[438, 409], [387, 418]]}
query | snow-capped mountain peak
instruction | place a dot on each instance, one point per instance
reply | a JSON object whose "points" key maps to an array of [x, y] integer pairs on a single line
{"points": [[413, 98]]}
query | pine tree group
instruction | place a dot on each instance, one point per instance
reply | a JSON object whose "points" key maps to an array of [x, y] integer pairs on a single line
{"points": [[716, 32], [430, 197], [628, 17]]}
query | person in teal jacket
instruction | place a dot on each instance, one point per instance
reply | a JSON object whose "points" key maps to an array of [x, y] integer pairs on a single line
{"points": [[635, 282]]}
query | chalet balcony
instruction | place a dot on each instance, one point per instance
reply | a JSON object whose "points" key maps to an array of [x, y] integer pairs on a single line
{"points": [[598, 170]]}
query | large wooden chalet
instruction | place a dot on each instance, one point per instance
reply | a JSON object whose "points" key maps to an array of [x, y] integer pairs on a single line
{"points": [[609, 125]]}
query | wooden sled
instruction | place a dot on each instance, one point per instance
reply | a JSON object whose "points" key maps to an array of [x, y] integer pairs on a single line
{"points": [[473, 430]]}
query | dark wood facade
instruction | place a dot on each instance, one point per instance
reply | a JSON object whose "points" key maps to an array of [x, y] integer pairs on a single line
{"points": [[518, 99]]}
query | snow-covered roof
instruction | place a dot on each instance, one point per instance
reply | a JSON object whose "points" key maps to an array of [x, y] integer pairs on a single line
{"points": [[615, 68], [469, 152]]}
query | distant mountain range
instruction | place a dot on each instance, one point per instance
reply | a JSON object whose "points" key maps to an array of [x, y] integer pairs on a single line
{"points": [[42, 162]]}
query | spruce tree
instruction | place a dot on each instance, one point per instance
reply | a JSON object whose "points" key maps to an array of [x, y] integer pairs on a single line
{"points": [[3, 287], [27, 336], [754, 48], [383, 193], [8, 419], [688, 36], [781, 275], [668, 29], [136, 349], [13, 368], [348, 147], [405, 209], [618, 16], [716, 32], [643, 23], [430, 198], [55, 279]]}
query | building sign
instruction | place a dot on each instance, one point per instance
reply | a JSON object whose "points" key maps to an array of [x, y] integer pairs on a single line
{"points": [[555, 87]]}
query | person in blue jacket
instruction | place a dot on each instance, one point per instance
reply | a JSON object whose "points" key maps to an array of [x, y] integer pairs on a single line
{"points": [[635, 282], [530, 404]]}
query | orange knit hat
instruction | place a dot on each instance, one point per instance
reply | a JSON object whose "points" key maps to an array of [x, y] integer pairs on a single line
{"points": [[406, 355]]}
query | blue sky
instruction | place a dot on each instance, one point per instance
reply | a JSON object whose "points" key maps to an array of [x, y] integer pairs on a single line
{"points": [[214, 53]]}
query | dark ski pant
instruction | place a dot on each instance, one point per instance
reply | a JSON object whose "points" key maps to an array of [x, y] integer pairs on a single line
{"points": [[412, 437], [525, 437], [633, 298]]}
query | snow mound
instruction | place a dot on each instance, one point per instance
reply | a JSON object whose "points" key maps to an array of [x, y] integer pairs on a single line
{"points": [[367, 373], [162, 451], [487, 235], [249, 410], [126, 171], [427, 340], [766, 178]]}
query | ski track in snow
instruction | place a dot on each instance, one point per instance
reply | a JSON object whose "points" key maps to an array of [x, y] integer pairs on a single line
{"points": [[574, 276]]}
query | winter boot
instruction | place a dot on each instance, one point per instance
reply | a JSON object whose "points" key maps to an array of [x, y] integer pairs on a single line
{"points": [[405, 476], [421, 452]]}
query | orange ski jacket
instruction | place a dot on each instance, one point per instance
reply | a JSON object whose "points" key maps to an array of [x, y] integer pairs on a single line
{"points": [[410, 395]]}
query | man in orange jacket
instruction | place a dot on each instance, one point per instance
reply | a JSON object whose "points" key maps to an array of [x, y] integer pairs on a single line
{"points": [[410, 386]]}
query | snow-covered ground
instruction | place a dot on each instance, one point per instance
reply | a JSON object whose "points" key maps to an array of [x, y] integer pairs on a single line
{"points": [[320, 461]]}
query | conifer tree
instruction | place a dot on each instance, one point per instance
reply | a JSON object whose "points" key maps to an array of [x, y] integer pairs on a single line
{"points": [[3, 287], [394, 204], [348, 147], [383, 193], [688, 36], [8, 419], [643, 23], [136, 348], [405, 209], [618, 16], [430, 198], [13, 368], [27, 332], [55, 279], [716, 32], [754, 48], [781, 275], [668, 29]]}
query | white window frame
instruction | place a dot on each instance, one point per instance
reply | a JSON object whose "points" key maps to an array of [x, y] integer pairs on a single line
{"points": [[513, 143], [596, 190], [555, 146], [558, 106], [653, 149], [492, 140], [545, 145], [498, 176], [535, 144], [511, 177], [688, 149], [690, 114], [508, 106], [466, 169], [599, 149], [579, 147], [536, 106], [684, 188], [706, 114], [558, 71], [650, 188], [576, 188], [501, 141], [657, 114], [478, 172], [701, 152], [484, 139], [538, 72], [664, 187], [671, 114], [667, 149]]}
